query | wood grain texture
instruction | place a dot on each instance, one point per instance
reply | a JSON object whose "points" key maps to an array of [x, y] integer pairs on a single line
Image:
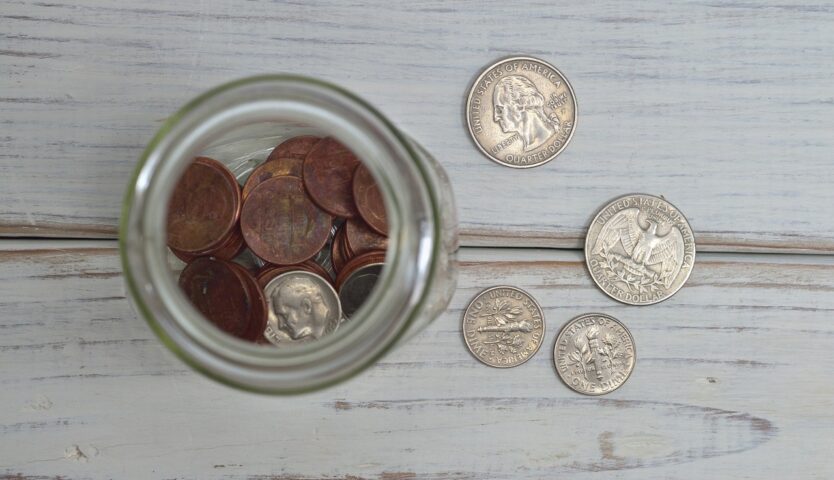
{"points": [[733, 380], [725, 108]]}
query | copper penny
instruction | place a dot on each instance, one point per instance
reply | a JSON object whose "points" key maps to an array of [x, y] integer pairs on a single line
{"points": [[368, 258], [276, 168], [230, 249], [369, 200], [328, 177], [268, 272], [217, 289], [280, 223], [338, 256], [361, 238], [204, 207], [258, 314], [296, 147]]}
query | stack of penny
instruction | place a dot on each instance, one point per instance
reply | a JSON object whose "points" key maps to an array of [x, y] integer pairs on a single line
{"points": [[313, 217]]}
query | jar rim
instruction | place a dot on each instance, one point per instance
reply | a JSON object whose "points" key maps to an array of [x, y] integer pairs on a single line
{"points": [[413, 237]]}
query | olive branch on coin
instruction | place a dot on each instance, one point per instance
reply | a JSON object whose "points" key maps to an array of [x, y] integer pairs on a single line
{"points": [[636, 283], [502, 323]]}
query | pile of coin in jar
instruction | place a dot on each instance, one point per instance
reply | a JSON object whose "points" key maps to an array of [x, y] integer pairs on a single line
{"points": [[290, 255]]}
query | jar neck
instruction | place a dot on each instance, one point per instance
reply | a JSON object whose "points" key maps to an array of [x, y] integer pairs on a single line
{"points": [[411, 207]]}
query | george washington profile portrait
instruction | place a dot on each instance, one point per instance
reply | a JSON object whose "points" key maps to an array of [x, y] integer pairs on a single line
{"points": [[519, 108]]}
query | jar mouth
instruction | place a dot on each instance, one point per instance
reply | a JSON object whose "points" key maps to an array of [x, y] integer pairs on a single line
{"points": [[412, 209]]}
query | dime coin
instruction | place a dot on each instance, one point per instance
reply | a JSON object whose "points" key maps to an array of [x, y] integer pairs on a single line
{"points": [[357, 287], [503, 326], [594, 354], [328, 177], [204, 208], [361, 239], [276, 168], [640, 249], [296, 147], [302, 307], [521, 112], [219, 291], [280, 223], [369, 200]]}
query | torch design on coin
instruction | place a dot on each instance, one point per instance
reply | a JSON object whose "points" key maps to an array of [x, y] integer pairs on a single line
{"points": [[503, 326], [594, 354]]}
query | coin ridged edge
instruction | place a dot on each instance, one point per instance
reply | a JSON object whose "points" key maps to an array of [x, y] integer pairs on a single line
{"points": [[469, 102]]}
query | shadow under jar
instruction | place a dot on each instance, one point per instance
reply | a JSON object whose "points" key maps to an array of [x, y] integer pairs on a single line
{"points": [[239, 124]]}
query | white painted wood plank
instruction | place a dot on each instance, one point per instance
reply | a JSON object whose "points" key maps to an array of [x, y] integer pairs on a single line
{"points": [[725, 108], [733, 380]]}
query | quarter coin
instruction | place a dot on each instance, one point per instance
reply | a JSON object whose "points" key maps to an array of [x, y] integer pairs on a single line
{"points": [[328, 177], [640, 249], [302, 307], [280, 223], [594, 354], [521, 112], [503, 326]]}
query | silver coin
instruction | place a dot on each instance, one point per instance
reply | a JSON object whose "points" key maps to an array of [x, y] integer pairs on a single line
{"points": [[302, 307], [640, 249], [358, 287], [594, 354], [503, 326], [521, 112]]}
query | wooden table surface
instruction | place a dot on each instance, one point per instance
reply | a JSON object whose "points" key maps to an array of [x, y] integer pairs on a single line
{"points": [[725, 108]]}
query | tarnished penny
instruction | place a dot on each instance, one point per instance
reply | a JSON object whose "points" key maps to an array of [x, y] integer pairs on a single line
{"points": [[338, 255], [369, 200], [257, 303], [328, 177], [594, 354], [296, 147], [503, 326], [302, 307], [640, 249], [357, 287], [218, 290], [360, 238], [521, 112], [360, 261], [230, 248], [280, 223], [204, 207], [276, 168], [269, 272]]}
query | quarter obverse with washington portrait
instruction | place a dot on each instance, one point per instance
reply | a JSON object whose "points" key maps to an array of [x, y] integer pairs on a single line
{"points": [[640, 249], [521, 112]]}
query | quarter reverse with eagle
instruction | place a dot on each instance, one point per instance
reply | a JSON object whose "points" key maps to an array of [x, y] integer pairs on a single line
{"points": [[640, 249]]}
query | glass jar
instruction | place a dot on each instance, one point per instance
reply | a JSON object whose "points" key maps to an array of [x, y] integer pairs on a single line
{"points": [[238, 124]]}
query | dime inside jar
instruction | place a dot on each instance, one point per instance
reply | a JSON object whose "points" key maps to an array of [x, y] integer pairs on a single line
{"points": [[288, 257]]}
